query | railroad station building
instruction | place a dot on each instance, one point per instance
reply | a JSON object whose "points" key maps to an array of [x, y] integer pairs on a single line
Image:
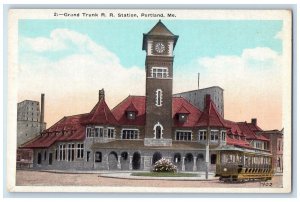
{"points": [[142, 129]]}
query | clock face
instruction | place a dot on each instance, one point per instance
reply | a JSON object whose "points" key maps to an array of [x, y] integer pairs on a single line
{"points": [[160, 47]]}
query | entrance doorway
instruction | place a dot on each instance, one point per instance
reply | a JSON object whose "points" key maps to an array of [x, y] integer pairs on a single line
{"points": [[156, 157], [50, 158], [113, 161], [39, 161], [136, 161]]}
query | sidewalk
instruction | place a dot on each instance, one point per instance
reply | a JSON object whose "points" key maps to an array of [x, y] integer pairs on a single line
{"points": [[127, 175]]}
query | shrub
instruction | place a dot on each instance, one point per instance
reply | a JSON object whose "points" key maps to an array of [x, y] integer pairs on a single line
{"points": [[164, 165]]}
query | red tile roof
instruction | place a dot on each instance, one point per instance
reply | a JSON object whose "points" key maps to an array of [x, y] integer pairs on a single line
{"points": [[183, 110], [131, 108], [250, 129], [237, 142], [67, 129], [101, 114], [233, 128], [210, 116], [181, 105], [72, 128], [137, 103]]}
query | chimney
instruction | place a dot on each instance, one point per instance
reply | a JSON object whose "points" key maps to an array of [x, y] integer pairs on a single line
{"points": [[42, 111], [207, 100], [101, 94], [254, 121]]}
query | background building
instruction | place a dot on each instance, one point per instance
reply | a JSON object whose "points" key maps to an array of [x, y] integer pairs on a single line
{"points": [[196, 97], [276, 147], [30, 120]]}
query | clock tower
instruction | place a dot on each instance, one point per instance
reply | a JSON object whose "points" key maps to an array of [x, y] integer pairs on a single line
{"points": [[159, 44]]}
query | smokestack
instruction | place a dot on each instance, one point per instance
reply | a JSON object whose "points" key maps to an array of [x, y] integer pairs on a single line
{"points": [[42, 111], [101, 94], [254, 121]]}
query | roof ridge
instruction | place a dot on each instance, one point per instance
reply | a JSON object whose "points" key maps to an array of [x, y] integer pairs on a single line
{"points": [[129, 96], [120, 103], [105, 114], [188, 103], [221, 119]]}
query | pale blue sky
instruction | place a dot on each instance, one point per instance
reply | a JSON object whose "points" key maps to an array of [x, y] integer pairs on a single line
{"points": [[197, 38], [244, 57]]}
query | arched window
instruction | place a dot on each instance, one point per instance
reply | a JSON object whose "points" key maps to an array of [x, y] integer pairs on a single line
{"points": [[158, 100], [158, 131]]}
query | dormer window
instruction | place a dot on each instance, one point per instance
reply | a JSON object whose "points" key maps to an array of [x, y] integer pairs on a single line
{"points": [[131, 115], [182, 118], [182, 114], [131, 112]]}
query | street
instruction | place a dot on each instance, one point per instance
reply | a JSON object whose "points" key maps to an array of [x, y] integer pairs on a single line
{"points": [[36, 178]]}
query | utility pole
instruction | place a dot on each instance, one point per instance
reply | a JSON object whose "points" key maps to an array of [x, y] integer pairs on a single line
{"points": [[207, 153]]}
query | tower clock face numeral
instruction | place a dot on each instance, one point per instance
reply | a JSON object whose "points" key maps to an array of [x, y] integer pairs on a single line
{"points": [[160, 47]]}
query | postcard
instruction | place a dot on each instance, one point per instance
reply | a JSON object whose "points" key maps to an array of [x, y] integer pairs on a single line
{"points": [[149, 100]]}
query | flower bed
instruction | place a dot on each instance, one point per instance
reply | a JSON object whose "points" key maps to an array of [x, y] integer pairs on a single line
{"points": [[164, 165]]}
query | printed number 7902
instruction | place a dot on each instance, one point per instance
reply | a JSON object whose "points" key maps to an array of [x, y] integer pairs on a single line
{"points": [[266, 184]]}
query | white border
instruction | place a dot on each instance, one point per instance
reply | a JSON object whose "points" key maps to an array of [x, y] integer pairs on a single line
{"points": [[183, 14]]}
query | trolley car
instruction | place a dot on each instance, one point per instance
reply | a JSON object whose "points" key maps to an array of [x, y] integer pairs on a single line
{"points": [[241, 166]]}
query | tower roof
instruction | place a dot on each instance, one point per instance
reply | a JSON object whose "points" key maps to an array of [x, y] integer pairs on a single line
{"points": [[159, 31], [101, 114]]}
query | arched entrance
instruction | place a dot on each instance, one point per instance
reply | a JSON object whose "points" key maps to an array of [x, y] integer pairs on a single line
{"points": [[124, 161], [200, 162], [136, 161], [113, 161], [156, 156], [177, 160], [213, 159], [39, 161], [189, 162]]}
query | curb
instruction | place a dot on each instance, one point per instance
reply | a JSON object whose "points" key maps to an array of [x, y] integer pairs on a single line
{"points": [[157, 178]]}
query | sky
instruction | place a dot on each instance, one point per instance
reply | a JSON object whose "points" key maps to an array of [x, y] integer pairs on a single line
{"points": [[70, 60]]}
